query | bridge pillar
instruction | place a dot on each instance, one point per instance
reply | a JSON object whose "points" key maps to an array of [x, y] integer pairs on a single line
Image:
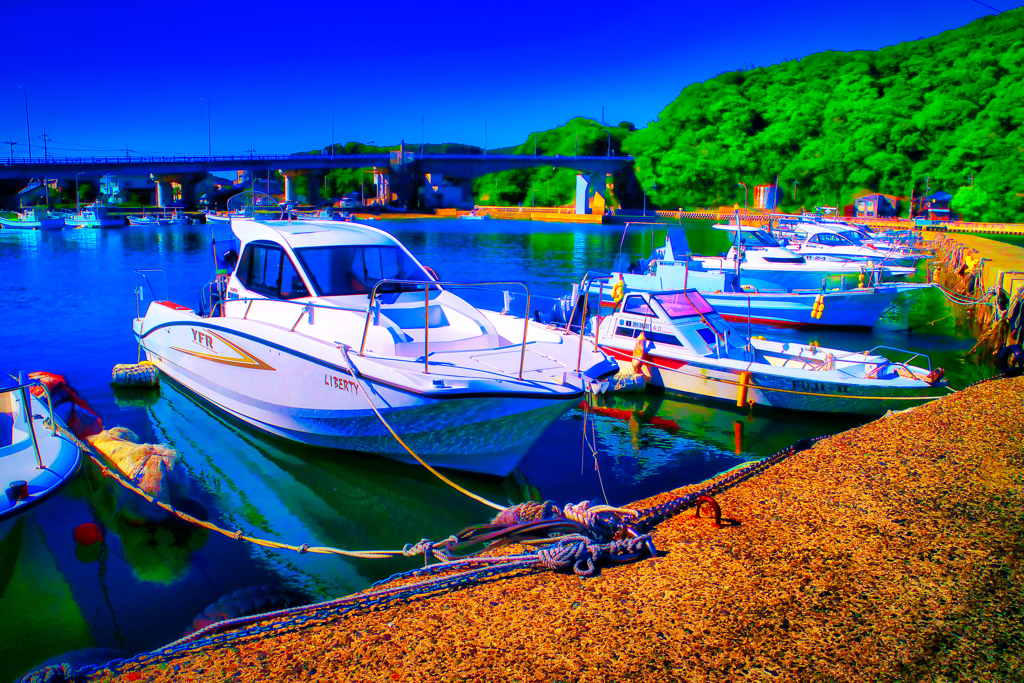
{"points": [[289, 185], [164, 193], [582, 185]]}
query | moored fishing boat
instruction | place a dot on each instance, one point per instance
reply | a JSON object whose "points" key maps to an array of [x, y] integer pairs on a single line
{"points": [[93, 217], [173, 218], [33, 218], [322, 324], [679, 339], [35, 459]]}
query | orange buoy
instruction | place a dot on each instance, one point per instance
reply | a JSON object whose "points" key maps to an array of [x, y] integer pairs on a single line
{"points": [[88, 534]]}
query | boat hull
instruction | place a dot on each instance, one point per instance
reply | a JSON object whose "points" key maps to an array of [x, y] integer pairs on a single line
{"points": [[841, 309], [694, 378], [60, 456], [316, 401], [53, 224]]}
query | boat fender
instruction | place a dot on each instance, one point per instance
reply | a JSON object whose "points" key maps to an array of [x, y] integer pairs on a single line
{"points": [[1010, 360], [617, 290], [639, 353], [819, 307], [934, 376], [741, 391], [143, 374]]}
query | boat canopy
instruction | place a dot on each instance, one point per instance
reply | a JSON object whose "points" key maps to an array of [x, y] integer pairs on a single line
{"points": [[9, 383]]}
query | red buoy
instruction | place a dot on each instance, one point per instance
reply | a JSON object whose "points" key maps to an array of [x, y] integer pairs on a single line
{"points": [[88, 534]]}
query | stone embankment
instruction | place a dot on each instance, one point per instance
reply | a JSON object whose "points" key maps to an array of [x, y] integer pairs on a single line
{"points": [[891, 552]]}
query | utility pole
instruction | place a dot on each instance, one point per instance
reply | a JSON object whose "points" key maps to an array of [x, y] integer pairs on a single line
{"points": [[45, 138], [971, 178], [127, 153], [794, 190], [602, 115], [12, 143]]}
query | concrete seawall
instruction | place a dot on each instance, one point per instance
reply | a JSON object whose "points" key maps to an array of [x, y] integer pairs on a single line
{"points": [[890, 552]]}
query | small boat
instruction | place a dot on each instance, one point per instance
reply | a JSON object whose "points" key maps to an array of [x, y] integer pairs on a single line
{"points": [[93, 217], [323, 322], [684, 345], [762, 263], [837, 244], [34, 218], [173, 218], [212, 217], [35, 459], [474, 216]]}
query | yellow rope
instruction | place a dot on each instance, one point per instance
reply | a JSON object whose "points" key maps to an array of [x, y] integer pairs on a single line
{"points": [[355, 376], [237, 535]]}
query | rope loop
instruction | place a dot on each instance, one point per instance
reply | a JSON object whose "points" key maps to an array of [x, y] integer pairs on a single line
{"points": [[238, 535], [425, 547], [303, 548]]}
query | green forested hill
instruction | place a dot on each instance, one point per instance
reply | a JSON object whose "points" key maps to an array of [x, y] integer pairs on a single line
{"points": [[838, 122]]}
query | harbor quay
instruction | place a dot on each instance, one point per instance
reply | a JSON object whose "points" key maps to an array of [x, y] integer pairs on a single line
{"points": [[889, 552]]}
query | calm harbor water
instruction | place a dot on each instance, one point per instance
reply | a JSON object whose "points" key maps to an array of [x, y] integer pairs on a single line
{"points": [[66, 305]]}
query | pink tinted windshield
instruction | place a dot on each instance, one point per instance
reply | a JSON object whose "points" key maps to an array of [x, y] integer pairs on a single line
{"points": [[679, 304]]}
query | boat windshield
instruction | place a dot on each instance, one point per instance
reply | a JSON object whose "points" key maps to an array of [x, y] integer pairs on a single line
{"points": [[757, 238], [340, 271], [680, 304], [854, 236]]}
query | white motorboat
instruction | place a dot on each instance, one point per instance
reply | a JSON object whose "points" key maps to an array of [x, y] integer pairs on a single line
{"points": [[93, 217], [322, 318], [33, 218], [839, 244], [762, 263], [35, 459], [687, 347]]}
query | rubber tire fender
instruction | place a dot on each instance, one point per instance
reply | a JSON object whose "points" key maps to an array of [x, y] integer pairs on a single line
{"points": [[1010, 360]]}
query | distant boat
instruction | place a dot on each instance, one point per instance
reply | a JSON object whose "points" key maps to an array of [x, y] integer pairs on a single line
{"points": [[35, 460], [474, 216], [93, 217], [165, 219], [33, 218]]}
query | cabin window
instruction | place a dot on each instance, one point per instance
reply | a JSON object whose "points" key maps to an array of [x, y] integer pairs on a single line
{"points": [[681, 305], [267, 270], [707, 335], [340, 271], [656, 337], [636, 305]]}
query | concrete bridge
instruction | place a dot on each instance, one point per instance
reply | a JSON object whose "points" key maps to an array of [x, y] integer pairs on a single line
{"points": [[407, 170]]}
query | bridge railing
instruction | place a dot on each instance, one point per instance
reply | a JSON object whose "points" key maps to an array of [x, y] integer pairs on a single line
{"points": [[187, 158]]}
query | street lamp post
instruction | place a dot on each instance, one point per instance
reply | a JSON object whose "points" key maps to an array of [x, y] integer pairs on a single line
{"points": [[794, 190], [485, 138], [209, 134], [535, 194], [28, 128], [576, 151], [653, 186], [332, 128], [78, 201], [744, 194]]}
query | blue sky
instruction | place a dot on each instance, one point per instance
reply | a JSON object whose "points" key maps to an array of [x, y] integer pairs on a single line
{"points": [[103, 75]]}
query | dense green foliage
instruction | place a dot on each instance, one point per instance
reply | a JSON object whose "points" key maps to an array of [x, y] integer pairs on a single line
{"points": [[547, 186], [945, 107]]}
